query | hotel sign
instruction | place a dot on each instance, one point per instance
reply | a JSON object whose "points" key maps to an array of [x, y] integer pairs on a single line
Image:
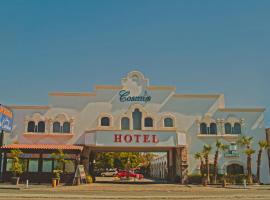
{"points": [[124, 96], [6, 119], [135, 139]]}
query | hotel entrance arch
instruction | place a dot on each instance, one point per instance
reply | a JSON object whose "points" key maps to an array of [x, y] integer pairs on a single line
{"points": [[171, 142]]}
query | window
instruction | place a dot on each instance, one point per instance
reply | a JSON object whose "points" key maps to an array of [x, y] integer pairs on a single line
{"points": [[47, 165], [168, 122], [125, 123], [70, 167], [56, 127], [41, 127], [9, 164], [66, 127], [228, 128], [148, 122], [237, 128], [235, 169], [33, 165], [31, 127], [105, 121], [203, 128], [213, 128], [137, 119]]}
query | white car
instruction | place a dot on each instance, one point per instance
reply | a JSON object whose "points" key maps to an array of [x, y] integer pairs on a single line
{"points": [[109, 173]]}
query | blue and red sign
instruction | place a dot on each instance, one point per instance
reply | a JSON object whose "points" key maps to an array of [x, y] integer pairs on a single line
{"points": [[6, 119]]}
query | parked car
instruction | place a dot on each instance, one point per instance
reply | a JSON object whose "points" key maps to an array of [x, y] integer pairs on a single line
{"points": [[124, 173], [109, 173]]}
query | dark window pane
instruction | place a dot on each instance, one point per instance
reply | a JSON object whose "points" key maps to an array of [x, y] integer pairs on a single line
{"points": [[235, 169], [105, 121], [168, 122], [56, 127], [237, 128], [66, 127], [203, 128], [125, 123], [137, 119], [213, 128], [228, 128], [33, 165], [41, 127], [148, 122], [31, 126], [47, 165]]}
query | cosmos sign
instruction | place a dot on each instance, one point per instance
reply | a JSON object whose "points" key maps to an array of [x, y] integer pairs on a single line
{"points": [[124, 96], [6, 119]]}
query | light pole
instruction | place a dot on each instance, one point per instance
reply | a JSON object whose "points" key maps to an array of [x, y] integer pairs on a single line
{"points": [[93, 170]]}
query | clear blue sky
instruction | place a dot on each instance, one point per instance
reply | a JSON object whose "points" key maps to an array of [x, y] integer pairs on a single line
{"points": [[198, 46]]}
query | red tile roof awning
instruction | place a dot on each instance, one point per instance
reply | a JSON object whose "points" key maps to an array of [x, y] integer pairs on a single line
{"points": [[43, 146]]}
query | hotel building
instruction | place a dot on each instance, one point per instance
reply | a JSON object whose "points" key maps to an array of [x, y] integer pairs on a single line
{"points": [[132, 116]]}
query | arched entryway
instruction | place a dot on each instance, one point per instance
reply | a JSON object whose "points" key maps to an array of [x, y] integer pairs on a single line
{"points": [[235, 168]]}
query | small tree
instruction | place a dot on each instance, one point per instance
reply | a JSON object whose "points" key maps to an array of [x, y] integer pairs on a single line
{"points": [[219, 146], [206, 150], [263, 145], [199, 156], [16, 167], [60, 160]]}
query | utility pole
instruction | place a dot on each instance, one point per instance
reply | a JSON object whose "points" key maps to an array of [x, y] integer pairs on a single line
{"points": [[1, 154]]}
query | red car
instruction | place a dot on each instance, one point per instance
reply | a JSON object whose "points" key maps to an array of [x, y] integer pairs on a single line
{"points": [[124, 174]]}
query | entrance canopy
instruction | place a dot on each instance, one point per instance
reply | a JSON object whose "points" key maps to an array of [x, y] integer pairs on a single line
{"points": [[135, 139]]}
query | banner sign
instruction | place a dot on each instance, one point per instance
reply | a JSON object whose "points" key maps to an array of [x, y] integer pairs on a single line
{"points": [[6, 119], [133, 138], [124, 96]]}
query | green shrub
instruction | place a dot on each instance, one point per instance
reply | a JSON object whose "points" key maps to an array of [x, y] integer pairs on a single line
{"points": [[194, 179]]}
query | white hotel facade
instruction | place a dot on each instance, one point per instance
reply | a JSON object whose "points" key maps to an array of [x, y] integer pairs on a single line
{"points": [[133, 116]]}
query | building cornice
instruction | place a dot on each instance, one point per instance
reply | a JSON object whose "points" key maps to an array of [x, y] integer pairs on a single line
{"points": [[72, 94], [17, 107], [119, 87], [241, 109], [161, 87], [108, 87], [198, 96]]}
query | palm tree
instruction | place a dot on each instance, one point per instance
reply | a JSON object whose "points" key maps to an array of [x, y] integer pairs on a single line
{"points": [[206, 150], [263, 145], [219, 146], [249, 153], [199, 156], [246, 141]]}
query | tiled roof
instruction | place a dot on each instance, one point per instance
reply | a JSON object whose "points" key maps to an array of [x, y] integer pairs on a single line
{"points": [[43, 146]]}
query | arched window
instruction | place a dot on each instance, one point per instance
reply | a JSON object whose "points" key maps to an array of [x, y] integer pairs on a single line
{"points": [[41, 127], [237, 128], [137, 119], [31, 127], [148, 122], [125, 123], [213, 128], [203, 128], [228, 128], [105, 121], [66, 127], [235, 169], [168, 122], [56, 127]]}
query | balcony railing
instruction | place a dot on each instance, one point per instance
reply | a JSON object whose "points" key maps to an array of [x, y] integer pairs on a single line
{"points": [[231, 154]]}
